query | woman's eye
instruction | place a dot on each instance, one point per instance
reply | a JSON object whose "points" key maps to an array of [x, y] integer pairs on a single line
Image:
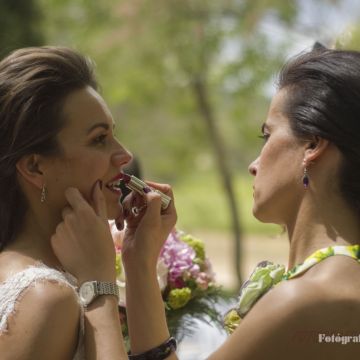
{"points": [[264, 136], [100, 139]]}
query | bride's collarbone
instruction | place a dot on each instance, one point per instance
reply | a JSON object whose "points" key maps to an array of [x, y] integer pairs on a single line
{"points": [[12, 263]]}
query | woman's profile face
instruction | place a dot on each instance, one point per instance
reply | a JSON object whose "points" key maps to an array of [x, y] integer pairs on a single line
{"points": [[91, 152], [278, 170]]}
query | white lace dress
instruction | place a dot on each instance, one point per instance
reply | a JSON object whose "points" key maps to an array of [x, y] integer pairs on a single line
{"points": [[14, 287]]}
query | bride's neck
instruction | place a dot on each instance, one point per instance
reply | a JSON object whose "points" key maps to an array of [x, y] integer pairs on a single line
{"points": [[33, 240], [321, 223]]}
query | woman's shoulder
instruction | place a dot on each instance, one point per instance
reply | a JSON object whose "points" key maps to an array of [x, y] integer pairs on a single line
{"points": [[45, 286], [324, 287], [46, 307], [298, 312]]}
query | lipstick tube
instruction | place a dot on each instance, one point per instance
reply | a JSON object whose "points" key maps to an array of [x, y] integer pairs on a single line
{"points": [[135, 184]]}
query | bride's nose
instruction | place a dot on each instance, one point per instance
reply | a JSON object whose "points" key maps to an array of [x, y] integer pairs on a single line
{"points": [[253, 167], [121, 157]]}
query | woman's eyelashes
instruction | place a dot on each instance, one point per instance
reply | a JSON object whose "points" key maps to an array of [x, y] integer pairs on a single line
{"points": [[101, 139], [264, 136]]}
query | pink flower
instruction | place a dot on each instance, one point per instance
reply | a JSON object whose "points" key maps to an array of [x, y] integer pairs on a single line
{"points": [[203, 281], [178, 256]]}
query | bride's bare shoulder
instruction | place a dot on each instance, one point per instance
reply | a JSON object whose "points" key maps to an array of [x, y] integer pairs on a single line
{"points": [[45, 322]]}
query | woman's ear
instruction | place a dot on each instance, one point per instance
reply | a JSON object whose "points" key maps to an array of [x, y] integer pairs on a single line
{"points": [[29, 168], [315, 148]]}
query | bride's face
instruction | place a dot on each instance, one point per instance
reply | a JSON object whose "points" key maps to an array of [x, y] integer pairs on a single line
{"points": [[278, 170], [90, 152]]}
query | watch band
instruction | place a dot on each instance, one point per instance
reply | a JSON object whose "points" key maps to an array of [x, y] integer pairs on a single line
{"points": [[106, 288], [90, 290]]}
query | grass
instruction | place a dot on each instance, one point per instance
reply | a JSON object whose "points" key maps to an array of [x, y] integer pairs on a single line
{"points": [[201, 204]]}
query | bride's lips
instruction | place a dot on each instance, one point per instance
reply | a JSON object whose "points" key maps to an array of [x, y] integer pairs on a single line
{"points": [[114, 184]]}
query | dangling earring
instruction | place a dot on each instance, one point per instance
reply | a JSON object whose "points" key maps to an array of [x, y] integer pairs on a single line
{"points": [[43, 193], [305, 178]]}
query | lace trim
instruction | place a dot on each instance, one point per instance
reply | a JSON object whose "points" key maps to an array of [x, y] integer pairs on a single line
{"points": [[14, 287]]}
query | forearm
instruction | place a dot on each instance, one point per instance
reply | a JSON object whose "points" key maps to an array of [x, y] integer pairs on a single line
{"points": [[145, 311], [103, 336]]}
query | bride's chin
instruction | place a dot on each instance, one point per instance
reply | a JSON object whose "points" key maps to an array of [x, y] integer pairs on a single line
{"points": [[115, 212]]}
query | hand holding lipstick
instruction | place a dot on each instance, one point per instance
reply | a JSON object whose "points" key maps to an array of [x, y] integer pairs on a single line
{"points": [[135, 184], [145, 234]]}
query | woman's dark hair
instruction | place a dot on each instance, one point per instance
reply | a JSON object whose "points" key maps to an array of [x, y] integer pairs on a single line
{"points": [[324, 100], [34, 83]]}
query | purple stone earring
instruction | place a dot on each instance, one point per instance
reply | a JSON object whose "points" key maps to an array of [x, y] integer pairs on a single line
{"points": [[305, 179]]}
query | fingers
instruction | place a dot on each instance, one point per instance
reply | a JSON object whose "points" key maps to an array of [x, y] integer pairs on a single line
{"points": [[99, 201], [78, 203], [67, 210], [75, 199]]}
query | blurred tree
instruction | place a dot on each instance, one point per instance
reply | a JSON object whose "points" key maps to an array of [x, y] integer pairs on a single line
{"points": [[166, 62], [19, 25]]}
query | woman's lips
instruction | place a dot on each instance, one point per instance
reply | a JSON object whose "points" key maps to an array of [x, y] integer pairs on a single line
{"points": [[114, 184], [115, 191]]}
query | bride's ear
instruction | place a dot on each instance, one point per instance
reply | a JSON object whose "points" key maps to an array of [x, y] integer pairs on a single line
{"points": [[315, 148], [29, 167]]}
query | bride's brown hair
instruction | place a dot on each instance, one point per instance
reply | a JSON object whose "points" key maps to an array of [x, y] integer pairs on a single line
{"points": [[34, 83]]}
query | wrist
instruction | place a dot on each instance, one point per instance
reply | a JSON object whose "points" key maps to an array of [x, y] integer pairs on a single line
{"points": [[101, 301], [91, 290], [98, 276]]}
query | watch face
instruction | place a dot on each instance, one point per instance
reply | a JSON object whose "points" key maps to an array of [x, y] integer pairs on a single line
{"points": [[87, 293]]}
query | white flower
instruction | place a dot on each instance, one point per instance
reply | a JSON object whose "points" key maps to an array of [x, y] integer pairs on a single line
{"points": [[162, 274], [122, 292]]}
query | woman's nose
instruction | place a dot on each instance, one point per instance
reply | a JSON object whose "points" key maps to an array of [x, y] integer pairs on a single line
{"points": [[121, 157], [253, 167]]}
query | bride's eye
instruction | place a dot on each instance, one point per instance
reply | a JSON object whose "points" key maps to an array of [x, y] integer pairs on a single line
{"points": [[100, 139]]}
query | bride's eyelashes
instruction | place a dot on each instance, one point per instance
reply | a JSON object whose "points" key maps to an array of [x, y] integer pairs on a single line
{"points": [[101, 139]]}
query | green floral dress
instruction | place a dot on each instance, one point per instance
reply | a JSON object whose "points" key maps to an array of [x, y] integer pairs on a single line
{"points": [[267, 274]]}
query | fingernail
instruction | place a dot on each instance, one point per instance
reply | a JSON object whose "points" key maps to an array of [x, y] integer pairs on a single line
{"points": [[146, 190], [100, 184]]}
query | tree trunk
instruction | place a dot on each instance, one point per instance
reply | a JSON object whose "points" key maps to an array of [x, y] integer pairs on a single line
{"points": [[200, 90]]}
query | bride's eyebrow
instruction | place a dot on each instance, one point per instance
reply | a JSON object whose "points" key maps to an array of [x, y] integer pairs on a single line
{"points": [[102, 124]]}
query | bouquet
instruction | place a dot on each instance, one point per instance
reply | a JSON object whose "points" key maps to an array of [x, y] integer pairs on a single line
{"points": [[186, 280]]}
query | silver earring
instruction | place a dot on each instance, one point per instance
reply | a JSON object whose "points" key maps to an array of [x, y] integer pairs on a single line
{"points": [[305, 178], [43, 193]]}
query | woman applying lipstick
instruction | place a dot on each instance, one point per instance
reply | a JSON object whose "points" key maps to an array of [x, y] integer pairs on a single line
{"points": [[59, 164], [306, 179]]}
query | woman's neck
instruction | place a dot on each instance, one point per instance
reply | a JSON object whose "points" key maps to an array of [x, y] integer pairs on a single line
{"points": [[320, 224], [33, 241]]}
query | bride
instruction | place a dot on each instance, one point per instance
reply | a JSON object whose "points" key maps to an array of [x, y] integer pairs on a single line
{"points": [[58, 160]]}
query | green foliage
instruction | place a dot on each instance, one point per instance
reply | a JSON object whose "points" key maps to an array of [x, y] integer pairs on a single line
{"points": [[19, 25], [148, 55], [182, 323], [201, 205]]}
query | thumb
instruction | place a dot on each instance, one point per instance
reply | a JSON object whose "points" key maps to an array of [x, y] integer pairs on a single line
{"points": [[99, 201]]}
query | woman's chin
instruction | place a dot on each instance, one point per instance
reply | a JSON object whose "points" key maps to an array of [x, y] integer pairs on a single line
{"points": [[115, 212], [260, 214]]}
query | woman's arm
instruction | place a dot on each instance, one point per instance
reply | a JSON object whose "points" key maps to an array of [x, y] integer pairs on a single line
{"points": [[143, 240], [103, 336], [84, 246]]}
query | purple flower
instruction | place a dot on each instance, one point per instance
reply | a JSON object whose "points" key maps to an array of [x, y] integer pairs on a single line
{"points": [[178, 256]]}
